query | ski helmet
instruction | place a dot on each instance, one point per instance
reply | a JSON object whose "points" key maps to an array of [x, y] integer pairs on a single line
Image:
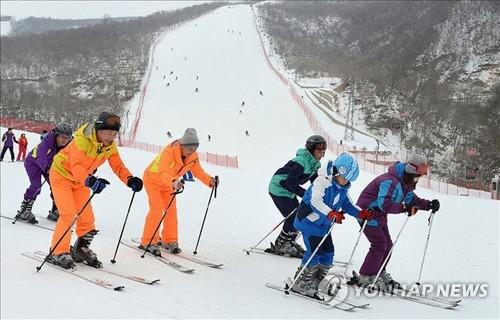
{"points": [[315, 142], [63, 129], [347, 167]]}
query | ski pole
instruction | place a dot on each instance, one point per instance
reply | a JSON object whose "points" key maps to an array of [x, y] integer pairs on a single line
{"points": [[355, 246], [123, 228], [287, 290], [431, 218], [69, 228], [214, 189], [388, 255], [267, 235], [173, 194], [17, 217]]}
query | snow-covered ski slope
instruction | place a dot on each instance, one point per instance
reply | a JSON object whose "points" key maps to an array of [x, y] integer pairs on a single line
{"points": [[231, 68]]}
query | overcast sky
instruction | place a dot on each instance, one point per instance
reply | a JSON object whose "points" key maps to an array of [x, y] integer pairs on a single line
{"points": [[87, 9]]}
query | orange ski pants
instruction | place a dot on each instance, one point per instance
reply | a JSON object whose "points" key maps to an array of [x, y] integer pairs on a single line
{"points": [[159, 198], [70, 197]]}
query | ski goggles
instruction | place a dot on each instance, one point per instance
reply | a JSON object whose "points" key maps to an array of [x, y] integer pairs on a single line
{"points": [[110, 123], [320, 146], [421, 169]]}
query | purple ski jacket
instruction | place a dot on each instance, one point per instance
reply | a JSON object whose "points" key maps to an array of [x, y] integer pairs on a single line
{"points": [[387, 193], [41, 156], [9, 139]]}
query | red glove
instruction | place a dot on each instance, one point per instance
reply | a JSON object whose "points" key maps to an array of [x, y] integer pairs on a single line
{"points": [[366, 214], [339, 216]]}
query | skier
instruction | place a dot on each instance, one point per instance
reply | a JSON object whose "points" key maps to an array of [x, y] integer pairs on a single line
{"points": [[324, 203], [391, 192], [23, 144], [38, 165], [260, 92], [246, 133], [196, 77], [209, 138], [285, 186], [43, 134], [71, 177], [196, 90], [242, 103], [168, 84], [8, 138], [161, 179], [169, 134]]}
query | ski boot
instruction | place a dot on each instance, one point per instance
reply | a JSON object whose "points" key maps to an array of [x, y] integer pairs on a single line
{"points": [[285, 245], [25, 213], [154, 249], [172, 247], [366, 281], [64, 260], [305, 284], [325, 287], [53, 213], [389, 282], [81, 252]]}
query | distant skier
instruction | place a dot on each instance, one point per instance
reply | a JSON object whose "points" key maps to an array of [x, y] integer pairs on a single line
{"points": [[169, 134], [246, 133], [241, 112], [209, 138], [164, 77], [261, 93], [168, 84], [23, 145], [324, 203], [285, 186], [37, 165], [161, 178], [242, 103], [391, 192], [8, 139], [176, 77], [196, 90], [171, 72], [72, 177], [196, 77]]}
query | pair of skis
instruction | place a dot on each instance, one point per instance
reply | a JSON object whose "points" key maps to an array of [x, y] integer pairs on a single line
{"points": [[409, 295], [134, 244], [326, 300], [84, 275]]}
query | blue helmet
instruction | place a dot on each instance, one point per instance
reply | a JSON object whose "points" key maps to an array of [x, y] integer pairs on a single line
{"points": [[347, 167]]}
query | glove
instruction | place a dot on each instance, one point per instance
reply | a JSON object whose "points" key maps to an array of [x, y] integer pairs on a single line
{"points": [[339, 216], [214, 182], [135, 184], [411, 209], [434, 205], [365, 214], [96, 184], [178, 184]]}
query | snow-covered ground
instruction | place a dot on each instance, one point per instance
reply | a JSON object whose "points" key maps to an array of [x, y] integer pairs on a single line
{"points": [[231, 68]]}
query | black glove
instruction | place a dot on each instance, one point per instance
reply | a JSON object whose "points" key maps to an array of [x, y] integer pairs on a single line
{"points": [[135, 184], [96, 184], [434, 205]]}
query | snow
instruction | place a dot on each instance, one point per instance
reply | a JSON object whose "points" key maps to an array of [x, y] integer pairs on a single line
{"points": [[463, 247], [5, 28]]}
